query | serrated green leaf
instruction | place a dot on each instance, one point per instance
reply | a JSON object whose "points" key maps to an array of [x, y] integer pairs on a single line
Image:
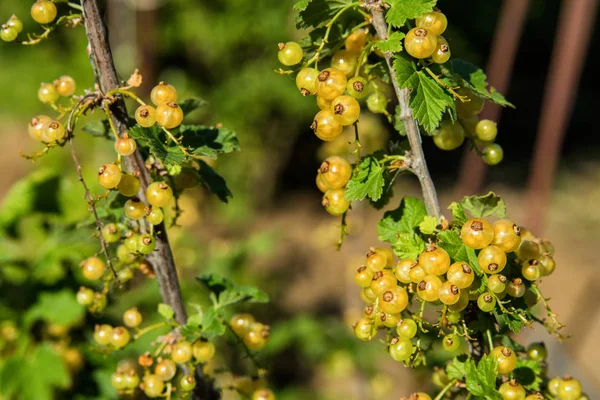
{"points": [[59, 308], [152, 138], [367, 181], [458, 212], [208, 141], [301, 5], [212, 325], [481, 378], [392, 44], [408, 245], [405, 68], [228, 293], [403, 10], [314, 38], [404, 219], [428, 100], [485, 206], [166, 311], [428, 225], [192, 104], [456, 369], [192, 332], [317, 13], [213, 181], [475, 79], [528, 373], [450, 241]]}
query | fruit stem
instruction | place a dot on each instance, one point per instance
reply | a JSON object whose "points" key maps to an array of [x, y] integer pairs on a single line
{"points": [[150, 328], [463, 99], [343, 231], [488, 336], [418, 162], [445, 389]]}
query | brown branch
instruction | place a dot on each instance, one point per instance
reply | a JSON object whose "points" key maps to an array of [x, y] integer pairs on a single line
{"points": [[88, 196], [418, 164], [162, 258]]}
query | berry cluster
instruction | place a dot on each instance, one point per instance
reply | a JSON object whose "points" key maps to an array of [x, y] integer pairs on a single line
{"points": [[254, 334], [11, 29], [167, 113], [332, 177]]}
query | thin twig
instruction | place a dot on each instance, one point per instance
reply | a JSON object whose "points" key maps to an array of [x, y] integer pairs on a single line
{"points": [[88, 196], [418, 163]]}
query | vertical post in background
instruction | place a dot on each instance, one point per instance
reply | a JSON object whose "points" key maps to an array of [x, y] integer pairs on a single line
{"points": [[499, 70], [570, 47], [146, 32]]}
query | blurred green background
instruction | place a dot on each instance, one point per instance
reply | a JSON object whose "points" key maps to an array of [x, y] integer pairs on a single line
{"points": [[273, 233]]}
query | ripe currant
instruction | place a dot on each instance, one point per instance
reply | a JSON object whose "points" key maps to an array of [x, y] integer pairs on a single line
{"points": [[203, 351], [331, 83], [163, 93], [449, 136], [486, 302], [169, 115], [325, 126], [145, 116], [132, 317], [506, 359], [36, 126], [442, 51], [356, 41], [429, 288], [507, 235], [345, 61], [306, 81], [120, 337], [420, 43], [129, 185], [401, 348], [335, 172], [402, 270], [125, 146], [492, 259], [435, 21], [65, 86], [460, 274], [477, 233], [182, 352], [346, 110], [406, 328], [394, 300], [109, 176], [43, 11], [111, 233], [357, 87], [134, 209], [159, 194], [334, 202], [434, 260], [290, 53], [451, 342], [93, 268], [47, 93], [8, 33], [492, 154]]}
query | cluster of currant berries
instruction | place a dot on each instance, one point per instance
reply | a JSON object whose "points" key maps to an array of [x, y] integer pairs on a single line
{"points": [[42, 11], [332, 177], [42, 127], [167, 113], [254, 334], [157, 373]]}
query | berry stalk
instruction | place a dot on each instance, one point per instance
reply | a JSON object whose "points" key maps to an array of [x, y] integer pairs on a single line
{"points": [[162, 258], [418, 164]]}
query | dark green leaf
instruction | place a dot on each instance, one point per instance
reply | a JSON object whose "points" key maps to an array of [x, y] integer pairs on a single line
{"points": [[475, 79], [408, 245], [208, 141], [153, 139], [485, 206], [317, 13], [190, 105], [212, 325], [314, 38], [228, 293], [378, 69], [481, 379], [528, 373], [456, 369], [367, 181], [404, 219], [213, 181], [403, 10], [393, 44]]}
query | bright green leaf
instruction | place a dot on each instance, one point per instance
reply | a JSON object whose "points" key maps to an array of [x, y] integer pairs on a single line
{"points": [[404, 219], [212, 325], [228, 293], [403, 10], [527, 373], [481, 378], [428, 100], [408, 245], [166, 311], [456, 369], [405, 68], [56, 307], [458, 212], [485, 206], [475, 79], [429, 225], [393, 44], [368, 181]]}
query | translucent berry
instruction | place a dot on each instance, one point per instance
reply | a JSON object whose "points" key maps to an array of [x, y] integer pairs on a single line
{"points": [[134, 209], [120, 337], [512, 390], [256, 336], [477, 233], [331, 83], [402, 270], [486, 130], [434, 260], [357, 87], [132, 317], [188, 383], [429, 288], [346, 110], [435, 21], [169, 115], [460, 274], [306, 81], [530, 270], [382, 281], [147, 244], [15, 22], [43, 11], [47, 93], [65, 86], [394, 300], [163, 93], [492, 154], [420, 43], [507, 235], [492, 259], [125, 146], [334, 202], [486, 302], [53, 131], [165, 369], [154, 215], [240, 323], [345, 61], [406, 328], [401, 349], [145, 116], [129, 185], [290, 53], [335, 172], [93, 268], [363, 277], [471, 106], [449, 293], [506, 358], [442, 51], [497, 283], [111, 233], [182, 352], [8, 33], [377, 102], [417, 273], [36, 126], [102, 334], [449, 136], [537, 352], [451, 342], [152, 386], [85, 296], [569, 389], [109, 176], [203, 351], [159, 194], [356, 41], [516, 288], [325, 126]]}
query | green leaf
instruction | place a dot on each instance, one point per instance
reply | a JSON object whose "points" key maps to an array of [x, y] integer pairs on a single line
{"points": [[405, 69], [404, 219], [191, 332], [458, 212], [429, 225], [334, 41], [367, 181], [153, 139], [485, 206], [409, 245], [393, 43], [428, 100], [456, 369], [403, 10], [166, 311], [212, 325], [481, 379], [475, 79], [527, 373], [192, 104], [56, 307], [208, 141], [228, 293], [213, 181], [317, 13], [99, 128], [510, 321]]}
